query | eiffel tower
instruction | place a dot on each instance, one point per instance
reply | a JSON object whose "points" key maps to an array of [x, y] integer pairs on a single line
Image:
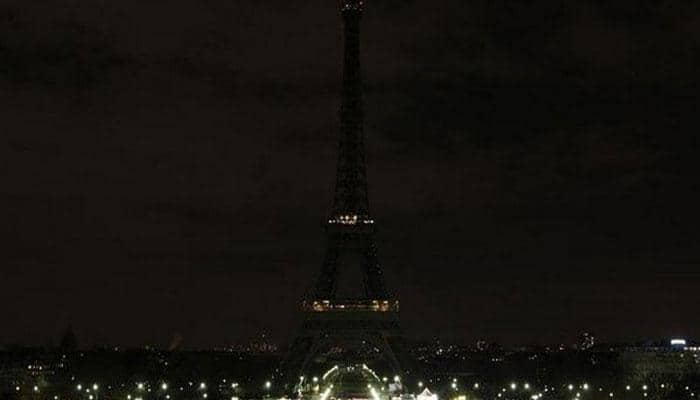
{"points": [[359, 317]]}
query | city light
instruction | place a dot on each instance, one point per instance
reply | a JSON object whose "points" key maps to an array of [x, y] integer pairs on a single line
{"points": [[515, 389], [678, 342], [329, 372], [325, 394], [375, 394]]}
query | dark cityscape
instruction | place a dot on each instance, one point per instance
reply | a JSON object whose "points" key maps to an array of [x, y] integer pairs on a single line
{"points": [[349, 199]]}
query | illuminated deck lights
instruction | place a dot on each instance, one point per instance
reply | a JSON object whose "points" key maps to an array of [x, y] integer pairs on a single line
{"points": [[353, 305], [351, 5], [350, 220]]}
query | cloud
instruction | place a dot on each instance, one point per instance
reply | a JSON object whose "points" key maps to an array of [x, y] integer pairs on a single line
{"points": [[191, 145]]}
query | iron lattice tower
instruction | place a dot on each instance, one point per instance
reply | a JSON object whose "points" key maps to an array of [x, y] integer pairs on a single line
{"points": [[369, 317], [349, 226]]}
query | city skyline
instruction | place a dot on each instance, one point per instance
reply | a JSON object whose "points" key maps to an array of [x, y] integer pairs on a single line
{"points": [[533, 177]]}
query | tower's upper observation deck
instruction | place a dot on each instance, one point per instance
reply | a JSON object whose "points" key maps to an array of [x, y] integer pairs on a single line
{"points": [[351, 5]]}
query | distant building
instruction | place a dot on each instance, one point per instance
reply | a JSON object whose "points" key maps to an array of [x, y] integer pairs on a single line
{"points": [[663, 361], [69, 342]]}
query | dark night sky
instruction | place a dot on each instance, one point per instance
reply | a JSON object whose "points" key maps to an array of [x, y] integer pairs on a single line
{"points": [[166, 166]]}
